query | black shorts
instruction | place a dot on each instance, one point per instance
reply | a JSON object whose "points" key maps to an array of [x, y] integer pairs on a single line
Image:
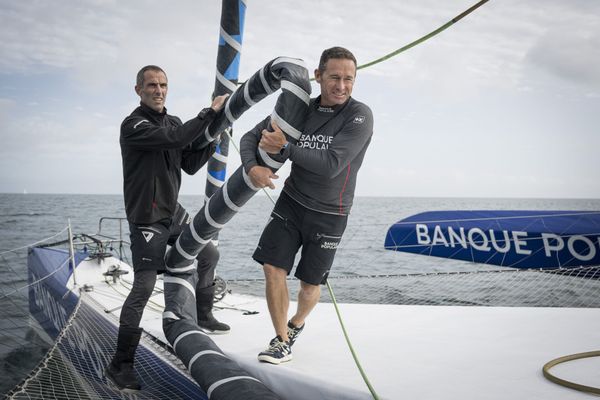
{"points": [[149, 241], [291, 226]]}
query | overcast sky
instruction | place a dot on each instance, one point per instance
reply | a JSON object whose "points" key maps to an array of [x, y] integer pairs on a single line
{"points": [[505, 103]]}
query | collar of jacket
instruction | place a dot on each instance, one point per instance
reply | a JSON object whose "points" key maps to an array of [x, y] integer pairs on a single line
{"points": [[153, 113]]}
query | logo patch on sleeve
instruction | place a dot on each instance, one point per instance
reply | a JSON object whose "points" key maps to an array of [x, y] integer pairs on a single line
{"points": [[359, 119]]}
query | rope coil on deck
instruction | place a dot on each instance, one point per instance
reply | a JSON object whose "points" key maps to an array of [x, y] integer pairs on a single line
{"points": [[563, 382]]}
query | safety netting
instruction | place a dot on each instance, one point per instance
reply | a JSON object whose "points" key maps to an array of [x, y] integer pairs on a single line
{"points": [[57, 347]]}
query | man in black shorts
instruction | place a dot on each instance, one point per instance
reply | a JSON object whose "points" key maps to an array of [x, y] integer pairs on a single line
{"points": [[313, 208], [155, 147]]}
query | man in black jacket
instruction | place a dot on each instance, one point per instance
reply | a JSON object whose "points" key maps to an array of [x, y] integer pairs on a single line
{"points": [[155, 147]]}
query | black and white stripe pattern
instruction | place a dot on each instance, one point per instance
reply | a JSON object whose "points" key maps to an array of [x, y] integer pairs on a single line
{"points": [[218, 375], [291, 76]]}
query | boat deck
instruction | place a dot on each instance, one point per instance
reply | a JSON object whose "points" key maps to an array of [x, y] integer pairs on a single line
{"points": [[415, 352]]}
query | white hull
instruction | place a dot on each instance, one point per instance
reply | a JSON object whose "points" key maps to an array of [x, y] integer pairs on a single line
{"points": [[414, 352]]}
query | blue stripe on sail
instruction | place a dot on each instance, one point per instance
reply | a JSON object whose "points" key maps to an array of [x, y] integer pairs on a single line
{"points": [[242, 19], [219, 175], [232, 71]]}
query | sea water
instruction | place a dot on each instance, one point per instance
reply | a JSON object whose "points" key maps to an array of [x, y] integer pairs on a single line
{"points": [[29, 218]]}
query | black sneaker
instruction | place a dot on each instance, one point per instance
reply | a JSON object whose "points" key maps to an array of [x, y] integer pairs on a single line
{"points": [[277, 352], [293, 332]]}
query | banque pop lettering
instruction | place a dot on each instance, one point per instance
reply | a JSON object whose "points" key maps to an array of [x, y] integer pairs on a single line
{"points": [[318, 141], [579, 246]]}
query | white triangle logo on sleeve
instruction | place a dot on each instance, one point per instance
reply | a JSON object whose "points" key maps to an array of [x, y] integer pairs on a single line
{"points": [[148, 235]]}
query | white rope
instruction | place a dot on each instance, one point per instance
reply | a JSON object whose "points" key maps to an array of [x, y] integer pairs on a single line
{"points": [[66, 262], [34, 244]]}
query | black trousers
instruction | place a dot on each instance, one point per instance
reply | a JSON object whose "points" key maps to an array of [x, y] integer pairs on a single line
{"points": [[148, 247]]}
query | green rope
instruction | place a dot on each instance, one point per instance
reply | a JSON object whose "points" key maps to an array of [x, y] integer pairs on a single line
{"points": [[388, 56], [424, 38], [418, 41], [381, 59], [356, 361]]}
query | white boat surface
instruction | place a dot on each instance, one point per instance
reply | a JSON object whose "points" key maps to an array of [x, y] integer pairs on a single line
{"points": [[406, 351]]}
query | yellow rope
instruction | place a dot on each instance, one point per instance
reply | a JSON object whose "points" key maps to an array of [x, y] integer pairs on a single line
{"points": [[564, 382]]}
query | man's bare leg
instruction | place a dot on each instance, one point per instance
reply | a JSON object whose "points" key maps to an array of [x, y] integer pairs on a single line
{"points": [[278, 298], [308, 297]]}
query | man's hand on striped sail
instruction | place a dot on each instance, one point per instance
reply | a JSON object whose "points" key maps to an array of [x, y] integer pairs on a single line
{"points": [[218, 102], [262, 177], [273, 141]]}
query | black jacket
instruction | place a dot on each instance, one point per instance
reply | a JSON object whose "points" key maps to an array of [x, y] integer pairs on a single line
{"points": [[155, 148]]}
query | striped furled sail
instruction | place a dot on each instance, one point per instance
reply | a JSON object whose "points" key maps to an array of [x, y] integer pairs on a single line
{"points": [[291, 76], [220, 376], [228, 64], [216, 373]]}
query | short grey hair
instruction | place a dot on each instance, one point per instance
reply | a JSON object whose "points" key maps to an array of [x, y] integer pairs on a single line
{"points": [[139, 81]]}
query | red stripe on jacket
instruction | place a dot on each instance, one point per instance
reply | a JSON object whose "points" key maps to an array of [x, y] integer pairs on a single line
{"points": [[344, 188]]}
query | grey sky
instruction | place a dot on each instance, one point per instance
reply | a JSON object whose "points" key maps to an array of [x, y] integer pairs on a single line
{"points": [[503, 104]]}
